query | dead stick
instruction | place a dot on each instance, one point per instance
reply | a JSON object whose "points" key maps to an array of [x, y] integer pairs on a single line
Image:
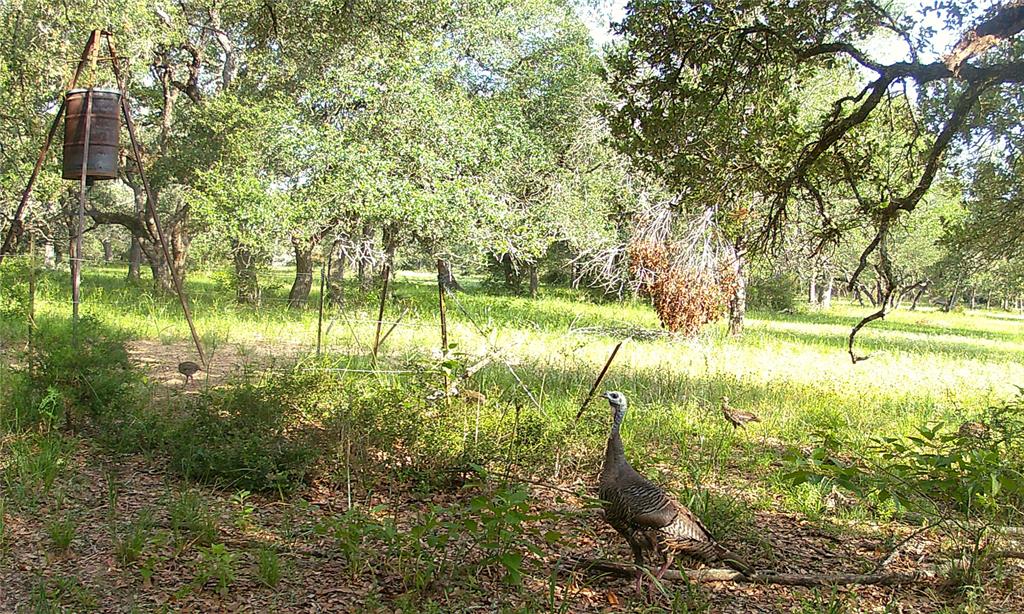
{"points": [[597, 382], [386, 273], [470, 372], [320, 311], [444, 317], [728, 575], [31, 286], [394, 324]]}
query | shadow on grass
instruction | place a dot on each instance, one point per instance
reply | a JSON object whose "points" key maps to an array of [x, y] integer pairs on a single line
{"points": [[813, 317], [877, 341], [554, 311]]}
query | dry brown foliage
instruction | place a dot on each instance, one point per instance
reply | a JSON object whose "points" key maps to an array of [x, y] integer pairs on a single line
{"points": [[685, 298]]}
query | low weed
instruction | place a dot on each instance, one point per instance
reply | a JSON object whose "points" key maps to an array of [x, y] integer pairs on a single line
{"points": [[34, 463], [131, 543], [831, 602], [3, 525], [192, 519], [243, 509], [268, 567], [724, 515], [495, 529], [61, 533], [62, 593], [216, 563]]}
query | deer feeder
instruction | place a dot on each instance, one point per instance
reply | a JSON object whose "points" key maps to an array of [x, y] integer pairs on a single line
{"points": [[104, 133]]}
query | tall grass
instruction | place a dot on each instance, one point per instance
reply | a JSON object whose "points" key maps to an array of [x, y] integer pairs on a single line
{"points": [[790, 369]]}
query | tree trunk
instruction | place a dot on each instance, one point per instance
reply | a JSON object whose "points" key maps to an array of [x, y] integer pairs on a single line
{"points": [[134, 260], [917, 296], [738, 301], [445, 276], [826, 298], [49, 254], [108, 251], [303, 283], [953, 296], [508, 270], [365, 281], [247, 285], [534, 280], [812, 287], [336, 276], [974, 297]]}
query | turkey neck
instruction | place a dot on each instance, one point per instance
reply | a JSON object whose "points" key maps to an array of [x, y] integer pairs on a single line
{"points": [[614, 454]]}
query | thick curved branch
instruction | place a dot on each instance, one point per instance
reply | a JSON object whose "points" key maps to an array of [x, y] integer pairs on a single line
{"points": [[878, 315], [1005, 23], [844, 48], [130, 222]]}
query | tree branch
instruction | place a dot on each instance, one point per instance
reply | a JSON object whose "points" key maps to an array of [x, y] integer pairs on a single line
{"points": [[728, 575], [1005, 23]]}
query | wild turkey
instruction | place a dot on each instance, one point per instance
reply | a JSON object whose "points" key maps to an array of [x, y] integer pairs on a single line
{"points": [[650, 520], [188, 369], [737, 417], [973, 430]]}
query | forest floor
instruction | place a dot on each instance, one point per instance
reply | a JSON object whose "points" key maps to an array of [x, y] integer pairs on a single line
{"points": [[87, 526]]}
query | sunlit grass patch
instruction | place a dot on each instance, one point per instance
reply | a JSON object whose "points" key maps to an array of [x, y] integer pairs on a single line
{"points": [[791, 369]]}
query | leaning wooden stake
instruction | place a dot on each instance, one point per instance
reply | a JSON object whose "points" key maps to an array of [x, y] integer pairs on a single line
{"points": [[320, 312], [76, 243], [597, 382], [31, 286], [444, 317], [386, 274], [384, 337], [150, 200]]}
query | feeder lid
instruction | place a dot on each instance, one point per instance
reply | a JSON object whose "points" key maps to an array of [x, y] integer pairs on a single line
{"points": [[104, 90]]}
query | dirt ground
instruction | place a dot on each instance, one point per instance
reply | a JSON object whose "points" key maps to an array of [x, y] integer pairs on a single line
{"points": [[107, 491]]}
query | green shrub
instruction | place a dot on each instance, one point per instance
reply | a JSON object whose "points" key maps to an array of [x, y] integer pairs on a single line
{"points": [[14, 297], [216, 563], [245, 436], [92, 378], [773, 293], [963, 480]]}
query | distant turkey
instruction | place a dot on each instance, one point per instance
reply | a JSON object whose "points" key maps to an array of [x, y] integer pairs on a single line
{"points": [[737, 417], [188, 369], [651, 521], [973, 430]]}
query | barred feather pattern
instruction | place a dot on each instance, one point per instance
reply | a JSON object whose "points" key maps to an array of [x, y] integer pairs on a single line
{"points": [[651, 521]]}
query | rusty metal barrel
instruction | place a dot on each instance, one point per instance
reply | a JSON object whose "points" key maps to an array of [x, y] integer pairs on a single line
{"points": [[104, 134]]}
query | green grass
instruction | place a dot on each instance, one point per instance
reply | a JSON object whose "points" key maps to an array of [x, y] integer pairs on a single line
{"points": [[294, 417], [791, 369]]}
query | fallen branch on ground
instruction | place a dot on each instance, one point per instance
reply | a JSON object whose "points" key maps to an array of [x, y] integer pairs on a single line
{"points": [[728, 575]]}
